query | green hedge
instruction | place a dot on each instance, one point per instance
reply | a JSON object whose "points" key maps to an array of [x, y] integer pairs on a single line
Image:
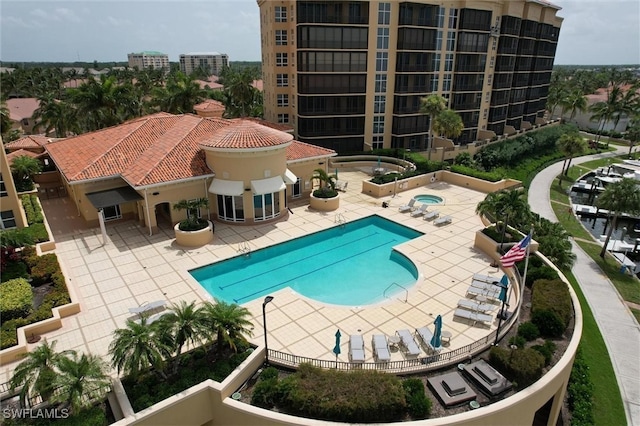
{"points": [[356, 396], [418, 405], [551, 308], [32, 209], [491, 176], [16, 299], [43, 267], [580, 393], [521, 366]]}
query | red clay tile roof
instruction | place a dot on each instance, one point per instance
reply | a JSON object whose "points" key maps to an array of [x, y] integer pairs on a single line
{"points": [[28, 142], [209, 105], [300, 150], [278, 126], [19, 153], [20, 108], [247, 134]]}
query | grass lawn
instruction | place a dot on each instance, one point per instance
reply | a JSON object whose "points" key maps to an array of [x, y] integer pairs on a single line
{"points": [[607, 402]]}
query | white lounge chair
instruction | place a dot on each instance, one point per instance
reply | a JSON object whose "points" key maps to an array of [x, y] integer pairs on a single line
{"points": [[485, 286], [408, 343], [425, 335], [381, 352], [356, 348], [475, 306], [153, 318], [431, 215], [485, 278], [407, 207], [473, 316], [146, 307], [486, 292], [443, 220], [420, 211], [341, 185]]}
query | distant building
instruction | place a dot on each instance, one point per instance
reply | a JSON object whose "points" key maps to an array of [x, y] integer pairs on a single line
{"points": [[149, 59], [11, 214], [213, 62], [21, 112]]}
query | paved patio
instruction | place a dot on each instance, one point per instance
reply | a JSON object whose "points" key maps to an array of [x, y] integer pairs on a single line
{"points": [[133, 268]]}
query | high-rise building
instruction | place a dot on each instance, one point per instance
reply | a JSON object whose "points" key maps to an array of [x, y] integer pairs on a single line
{"points": [[212, 62], [349, 75], [149, 59]]}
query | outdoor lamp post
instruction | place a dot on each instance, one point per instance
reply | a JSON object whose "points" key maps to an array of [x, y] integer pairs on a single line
{"points": [[264, 324]]}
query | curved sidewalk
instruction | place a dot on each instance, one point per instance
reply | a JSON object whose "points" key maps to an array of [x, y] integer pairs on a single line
{"points": [[618, 326]]}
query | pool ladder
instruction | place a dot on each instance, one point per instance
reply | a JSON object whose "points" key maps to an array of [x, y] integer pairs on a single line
{"points": [[395, 284], [340, 219], [244, 248]]}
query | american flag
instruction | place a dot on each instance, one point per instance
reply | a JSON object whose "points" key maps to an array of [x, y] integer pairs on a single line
{"points": [[516, 253]]}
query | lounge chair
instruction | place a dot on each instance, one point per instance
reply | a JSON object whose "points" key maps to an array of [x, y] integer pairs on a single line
{"points": [[424, 336], [486, 292], [443, 220], [420, 211], [153, 318], [341, 185], [407, 207], [475, 306], [356, 348], [381, 352], [485, 286], [485, 278], [408, 343], [473, 316], [146, 307], [431, 215]]}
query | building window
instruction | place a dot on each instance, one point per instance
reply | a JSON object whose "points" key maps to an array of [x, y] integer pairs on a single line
{"points": [[383, 38], [266, 206], [453, 18], [297, 189], [489, 79], [378, 142], [436, 62], [378, 104], [381, 83], [378, 124], [439, 40], [3, 188], [282, 80], [281, 13], [448, 62], [384, 13], [441, 17], [492, 61], [487, 96], [451, 41], [434, 83], [484, 113], [281, 60], [283, 118], [112, 213], [283, 100], [7, 219], [230, 208], [446, 83], [382, 61], [281, 37]]}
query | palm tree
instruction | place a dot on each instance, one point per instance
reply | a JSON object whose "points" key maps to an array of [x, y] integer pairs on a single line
{"points": [[619, 197], [241, 99], [229, 321], [505, 205], [5, 119], [448, 124], [81, 380], [35, 375], [186, 324], [574, 101], [54, 114], [554, 243], [193, 221], [139, 346], [605, 111], [180, 95], [570, 145], [432, 105], [23, 168], [326, 183]]}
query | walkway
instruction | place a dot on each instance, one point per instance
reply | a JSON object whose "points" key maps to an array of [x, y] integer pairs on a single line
{"points": [[618, 326]]}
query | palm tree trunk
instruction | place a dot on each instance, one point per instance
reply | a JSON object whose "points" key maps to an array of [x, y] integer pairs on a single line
{"points": [[566, 172], [430, 141], [606, 241]]}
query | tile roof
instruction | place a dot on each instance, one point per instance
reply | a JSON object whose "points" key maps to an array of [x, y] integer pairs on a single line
{"points": [[20, 108], [209, 105], [300, 150], [278, 126], [247, 134], [28, 142], [19, 153]]}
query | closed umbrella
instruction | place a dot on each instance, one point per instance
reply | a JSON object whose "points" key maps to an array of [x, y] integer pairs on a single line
{"points": [[436, 340], [504, 285], [336, 349], [336, 174]]}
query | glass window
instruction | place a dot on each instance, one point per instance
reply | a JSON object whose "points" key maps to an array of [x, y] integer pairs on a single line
{"points": [[282, 80], [283, 118], [378, 142], [382, 61], [436, 62], [230, 208], [384, 13], [378, 124], [3, 188], [281, 13], [434, 83], [281, 60], [266, 206], [281, 37], [441, 17], [383, 38], [448, 62], [8, 220], [112, 213], [439, 40], [451, 41], [378, 104], [282, 99], [453, 18], [381, 83], [446, 83]]}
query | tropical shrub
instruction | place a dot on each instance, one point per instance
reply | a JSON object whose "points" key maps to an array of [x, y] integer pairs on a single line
{"points": [[490, 176], [551, 307], [192, 207], [548, 322], [521, 366], [418, 405], [528, 331], [518, 341], [547, 350], [580, 392], [32, 208], [43, 267], [16, 299]]}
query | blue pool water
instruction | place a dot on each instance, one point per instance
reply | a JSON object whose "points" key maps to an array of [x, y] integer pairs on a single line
{"points": [[349, 265], [429, 199]]}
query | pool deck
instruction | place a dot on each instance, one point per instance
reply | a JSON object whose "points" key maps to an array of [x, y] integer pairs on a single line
{"points": [[134, 268]]}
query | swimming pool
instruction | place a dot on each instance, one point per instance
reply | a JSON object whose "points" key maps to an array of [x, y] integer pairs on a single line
{"points": [[429, 199], [349, 265]]}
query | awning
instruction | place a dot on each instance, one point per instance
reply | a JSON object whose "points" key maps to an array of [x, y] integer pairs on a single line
{"points": [[226, 187], [267, 186], [289, 177], [113, 197]]}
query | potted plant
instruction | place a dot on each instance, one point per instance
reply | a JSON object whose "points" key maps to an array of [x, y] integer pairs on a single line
{"points": [[326, 197], [193, 231]]}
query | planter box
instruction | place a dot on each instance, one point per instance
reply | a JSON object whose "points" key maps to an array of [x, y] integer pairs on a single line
{"points": [[324, 204], [194, 238]]}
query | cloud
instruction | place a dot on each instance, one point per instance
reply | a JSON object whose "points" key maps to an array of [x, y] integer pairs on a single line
{"points": [[117, 22]]}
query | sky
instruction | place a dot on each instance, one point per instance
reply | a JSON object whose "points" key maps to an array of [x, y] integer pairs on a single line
{"points": [[594, 32]]}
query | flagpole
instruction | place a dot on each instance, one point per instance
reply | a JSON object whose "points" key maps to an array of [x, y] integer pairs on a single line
{"points": [[523, 278]]}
